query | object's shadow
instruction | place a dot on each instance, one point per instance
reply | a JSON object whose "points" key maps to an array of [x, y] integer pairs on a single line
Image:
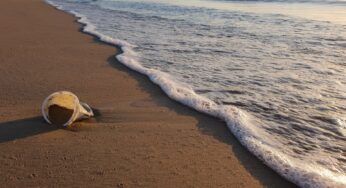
{"points": [[22, 128]]}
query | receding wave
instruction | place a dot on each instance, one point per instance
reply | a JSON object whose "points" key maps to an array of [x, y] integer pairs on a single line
{"points": [[242, 124]]}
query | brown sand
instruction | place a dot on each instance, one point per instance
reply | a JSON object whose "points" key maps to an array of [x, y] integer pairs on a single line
{"points": [[141, 138]]}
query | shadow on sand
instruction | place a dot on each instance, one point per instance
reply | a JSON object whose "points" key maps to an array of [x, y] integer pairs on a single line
{"points": [[22, 128]]}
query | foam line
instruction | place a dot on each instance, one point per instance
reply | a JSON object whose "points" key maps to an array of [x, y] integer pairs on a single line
{"points": [[239, 122]]}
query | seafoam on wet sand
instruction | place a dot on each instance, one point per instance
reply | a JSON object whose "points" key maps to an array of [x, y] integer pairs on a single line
{"points": [[277, 80]]}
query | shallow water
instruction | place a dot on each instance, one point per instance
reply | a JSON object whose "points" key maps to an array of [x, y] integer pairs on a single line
{"points": [[276, 77]]}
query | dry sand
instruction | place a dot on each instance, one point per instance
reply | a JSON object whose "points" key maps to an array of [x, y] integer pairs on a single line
{"points": [[140, 138]]}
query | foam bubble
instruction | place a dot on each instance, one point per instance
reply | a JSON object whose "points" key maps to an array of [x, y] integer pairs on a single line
{"points": [[241, 124]]}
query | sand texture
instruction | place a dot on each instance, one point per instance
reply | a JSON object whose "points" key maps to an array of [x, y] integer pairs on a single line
{"points": [[140, 138]]}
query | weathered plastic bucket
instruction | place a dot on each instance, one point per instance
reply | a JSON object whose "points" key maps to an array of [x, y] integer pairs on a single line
{"points": [[66, 100]]}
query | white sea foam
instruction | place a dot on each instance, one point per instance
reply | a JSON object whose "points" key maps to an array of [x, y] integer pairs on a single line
{"points": [[241, 124]]}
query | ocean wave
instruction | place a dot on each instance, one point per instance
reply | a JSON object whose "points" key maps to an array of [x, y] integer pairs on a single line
{"points": [[240, 123]]}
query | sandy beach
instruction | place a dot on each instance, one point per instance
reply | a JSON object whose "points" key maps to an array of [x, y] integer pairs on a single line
{"points": [[140, 138]]}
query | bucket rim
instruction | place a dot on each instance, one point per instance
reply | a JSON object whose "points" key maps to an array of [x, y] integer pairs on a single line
{"points": [[75, 110]]}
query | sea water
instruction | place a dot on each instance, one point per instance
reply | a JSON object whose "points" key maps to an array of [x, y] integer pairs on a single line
{"points": [[274, 71]]}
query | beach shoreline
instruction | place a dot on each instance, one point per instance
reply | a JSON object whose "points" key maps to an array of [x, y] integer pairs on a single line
{"points": [[141, 137]]}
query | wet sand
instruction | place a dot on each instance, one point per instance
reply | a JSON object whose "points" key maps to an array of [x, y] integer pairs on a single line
{"points": [[140, 138]]}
